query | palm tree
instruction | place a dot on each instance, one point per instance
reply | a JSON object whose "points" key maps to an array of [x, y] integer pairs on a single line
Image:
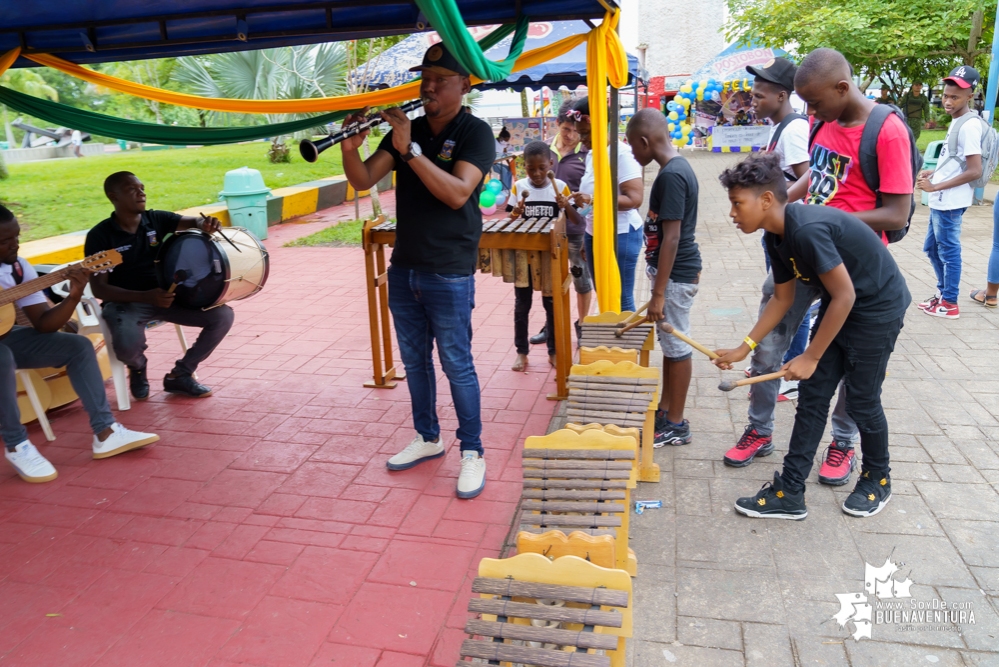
{"points": [[285, 73], [25, 81]]}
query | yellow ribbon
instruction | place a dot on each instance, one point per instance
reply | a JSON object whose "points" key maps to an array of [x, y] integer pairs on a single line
{"points": [[7, 59], [394, 95], [605, 60]]}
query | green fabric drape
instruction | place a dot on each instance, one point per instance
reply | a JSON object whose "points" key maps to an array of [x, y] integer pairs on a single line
{"points": [[132, 130], [445, 18]]}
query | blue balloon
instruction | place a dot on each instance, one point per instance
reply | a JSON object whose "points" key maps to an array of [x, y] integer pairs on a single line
{"points": [[495, 186]]}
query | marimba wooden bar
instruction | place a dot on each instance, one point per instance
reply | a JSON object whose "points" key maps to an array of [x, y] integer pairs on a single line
{"points": [[522, 251]]}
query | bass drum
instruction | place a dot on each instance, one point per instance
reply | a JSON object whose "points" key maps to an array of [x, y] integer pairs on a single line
{"points": [[208, 271]]}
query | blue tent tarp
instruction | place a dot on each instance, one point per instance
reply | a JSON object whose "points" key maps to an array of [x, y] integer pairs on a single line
{"points": [[569, 70], [93, 31]]}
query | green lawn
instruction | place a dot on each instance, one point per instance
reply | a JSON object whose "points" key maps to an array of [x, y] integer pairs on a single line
{"points": [[58, 196], [926, 136], [346, 233]]}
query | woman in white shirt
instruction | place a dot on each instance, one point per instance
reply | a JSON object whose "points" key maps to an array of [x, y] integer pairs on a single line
{"points": [[502, 168], [631, 189]]}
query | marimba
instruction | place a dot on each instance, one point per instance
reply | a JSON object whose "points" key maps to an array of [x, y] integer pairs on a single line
{"points": [[522, 251]]}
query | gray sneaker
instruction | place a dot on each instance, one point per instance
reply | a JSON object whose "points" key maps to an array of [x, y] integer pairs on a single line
{"points": [[416, 453]]}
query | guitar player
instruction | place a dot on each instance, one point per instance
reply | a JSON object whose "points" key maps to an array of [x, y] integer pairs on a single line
{"points": [[42, 345]]}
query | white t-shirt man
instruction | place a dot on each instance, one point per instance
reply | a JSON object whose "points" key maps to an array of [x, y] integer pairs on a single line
{"points": [[969, 142], [628, 169], [792, 144], [7, 281], [76, 138]]}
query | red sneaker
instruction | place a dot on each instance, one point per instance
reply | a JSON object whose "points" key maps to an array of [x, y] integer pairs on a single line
{"points": [[944, 309], [839, 463], [750, 445], [929, 303]]}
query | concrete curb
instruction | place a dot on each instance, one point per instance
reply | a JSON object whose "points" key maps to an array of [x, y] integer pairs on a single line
{"points": [[283, 204]]}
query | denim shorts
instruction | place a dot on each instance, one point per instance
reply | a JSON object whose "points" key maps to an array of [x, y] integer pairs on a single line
{"points": [[578, 268], [679, 299]]}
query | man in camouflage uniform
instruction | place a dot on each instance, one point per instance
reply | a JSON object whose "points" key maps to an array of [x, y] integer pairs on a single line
{"points": [[916, 108]]}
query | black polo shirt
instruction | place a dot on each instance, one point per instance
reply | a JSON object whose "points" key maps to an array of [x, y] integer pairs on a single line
{"points": [[137, 270], [430, 235]]}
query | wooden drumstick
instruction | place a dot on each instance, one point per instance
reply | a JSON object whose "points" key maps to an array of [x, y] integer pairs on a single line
{"points": [[628, 327], [638, 312], [729, 385], [689, 341], [178, 277], [551, 177]]}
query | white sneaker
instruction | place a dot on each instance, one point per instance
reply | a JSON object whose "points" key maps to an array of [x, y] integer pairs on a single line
{"points": [[788, 390], [415, 453], [30, 464], [472, 478], [120, 441]]}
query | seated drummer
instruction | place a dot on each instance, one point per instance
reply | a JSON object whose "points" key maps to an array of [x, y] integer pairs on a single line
{"points": [[42, 346], [132, 296]]}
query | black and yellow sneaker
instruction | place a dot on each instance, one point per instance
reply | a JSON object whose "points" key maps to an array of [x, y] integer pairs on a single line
{"points": [[872, 493], [773, 502]]}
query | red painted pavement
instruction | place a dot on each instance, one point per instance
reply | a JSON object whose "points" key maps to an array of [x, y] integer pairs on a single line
{"points": [[263, 529]]}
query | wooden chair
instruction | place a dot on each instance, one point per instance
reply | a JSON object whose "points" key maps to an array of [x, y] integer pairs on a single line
{"points": [[623, 394], [565, 612], [581, 481], [597, 549], [598, 332]]}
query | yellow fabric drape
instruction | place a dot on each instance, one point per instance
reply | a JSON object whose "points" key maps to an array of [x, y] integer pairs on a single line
{"points": [[605, 59], [395, 95], [7, 59]]}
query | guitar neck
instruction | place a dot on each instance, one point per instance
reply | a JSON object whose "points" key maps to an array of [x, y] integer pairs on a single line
{"points": [[25, 289]]}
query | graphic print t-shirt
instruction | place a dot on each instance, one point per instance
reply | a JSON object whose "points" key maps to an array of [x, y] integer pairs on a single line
{"points": [[674, 197], [817, 240], [540, 202], [835, 178]]}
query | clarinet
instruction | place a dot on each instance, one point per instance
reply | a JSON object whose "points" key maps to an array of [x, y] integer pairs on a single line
{"points": [[310, 150]]}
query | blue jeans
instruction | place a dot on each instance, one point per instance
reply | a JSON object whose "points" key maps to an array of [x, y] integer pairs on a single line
{"points": [[943, 247], [800, 340], [428, 306], [505, 177], [993, 275], [629, 246]]}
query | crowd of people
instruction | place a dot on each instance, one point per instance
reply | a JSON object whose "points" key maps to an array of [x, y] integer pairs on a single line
{"points": [[830, 194]]}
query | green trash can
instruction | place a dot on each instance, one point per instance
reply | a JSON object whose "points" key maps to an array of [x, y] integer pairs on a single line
{"points": [[930, 159], [245, 196]]}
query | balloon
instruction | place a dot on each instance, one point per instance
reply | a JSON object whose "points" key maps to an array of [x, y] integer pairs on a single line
{"points": [[500, 199], [686, 102], [671, 126], [678, 98], [694, 85], [700, 94], [495, 186], [686, 88], [673, 115], [487, 198], [488, 210], [712, 83]]}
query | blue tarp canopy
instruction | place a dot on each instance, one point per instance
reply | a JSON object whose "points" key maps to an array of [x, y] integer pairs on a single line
{"points": [[92, 31], [392, 68]]}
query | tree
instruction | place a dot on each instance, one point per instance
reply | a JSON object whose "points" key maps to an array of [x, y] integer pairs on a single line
{"points": [[275, 74], [915, 40], [29, 82], [154, 72]]}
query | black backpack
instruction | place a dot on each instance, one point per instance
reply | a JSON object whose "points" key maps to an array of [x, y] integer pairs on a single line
{"points": [[869, 158], [789, 175]]}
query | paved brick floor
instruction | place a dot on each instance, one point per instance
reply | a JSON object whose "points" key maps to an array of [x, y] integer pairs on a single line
{"points": [[716, 589], [263, 529]]}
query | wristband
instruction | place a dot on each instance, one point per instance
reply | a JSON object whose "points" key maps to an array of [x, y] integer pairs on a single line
{"points": [[750, 342]]}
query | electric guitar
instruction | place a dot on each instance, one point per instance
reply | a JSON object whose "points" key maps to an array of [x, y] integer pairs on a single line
{"points": [[97, 263]]}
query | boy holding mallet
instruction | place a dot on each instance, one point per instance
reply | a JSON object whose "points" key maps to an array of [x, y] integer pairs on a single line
{"points": [[864, 298]]}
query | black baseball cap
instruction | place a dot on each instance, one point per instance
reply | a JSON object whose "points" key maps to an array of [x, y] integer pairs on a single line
{"points": [[964, 76], [779, 71], [439, 59]]}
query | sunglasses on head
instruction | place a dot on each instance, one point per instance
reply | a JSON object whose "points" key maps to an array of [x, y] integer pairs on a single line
{"points": [[575, 114]]}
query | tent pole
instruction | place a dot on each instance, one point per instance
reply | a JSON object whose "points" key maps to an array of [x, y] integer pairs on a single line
{"points": [[615, 120]]}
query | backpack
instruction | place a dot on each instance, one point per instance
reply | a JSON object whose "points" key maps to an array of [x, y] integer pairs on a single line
{"points": [[869, 159], [789, 175], [990, 148]]}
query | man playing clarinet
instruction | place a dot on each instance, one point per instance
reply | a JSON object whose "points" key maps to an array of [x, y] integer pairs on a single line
{"points": [[440, 160]]}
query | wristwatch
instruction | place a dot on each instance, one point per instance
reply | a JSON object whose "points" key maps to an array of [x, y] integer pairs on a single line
{"points": [[414, 151]]}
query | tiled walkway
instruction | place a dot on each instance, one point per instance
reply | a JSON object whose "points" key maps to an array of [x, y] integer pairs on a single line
{"points": [[263, 529]]}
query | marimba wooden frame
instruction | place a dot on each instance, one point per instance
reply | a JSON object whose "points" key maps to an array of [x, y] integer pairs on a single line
{"points": [[376, 279]]}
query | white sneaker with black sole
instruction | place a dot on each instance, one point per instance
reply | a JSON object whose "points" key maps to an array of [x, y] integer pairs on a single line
{"points": [[415, 453], [120, 441], [30, 465], [788, 390], [472, 478]]}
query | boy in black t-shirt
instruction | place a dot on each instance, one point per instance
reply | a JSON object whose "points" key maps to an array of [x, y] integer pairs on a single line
{"points": [[864, 298], [674, 265]]}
